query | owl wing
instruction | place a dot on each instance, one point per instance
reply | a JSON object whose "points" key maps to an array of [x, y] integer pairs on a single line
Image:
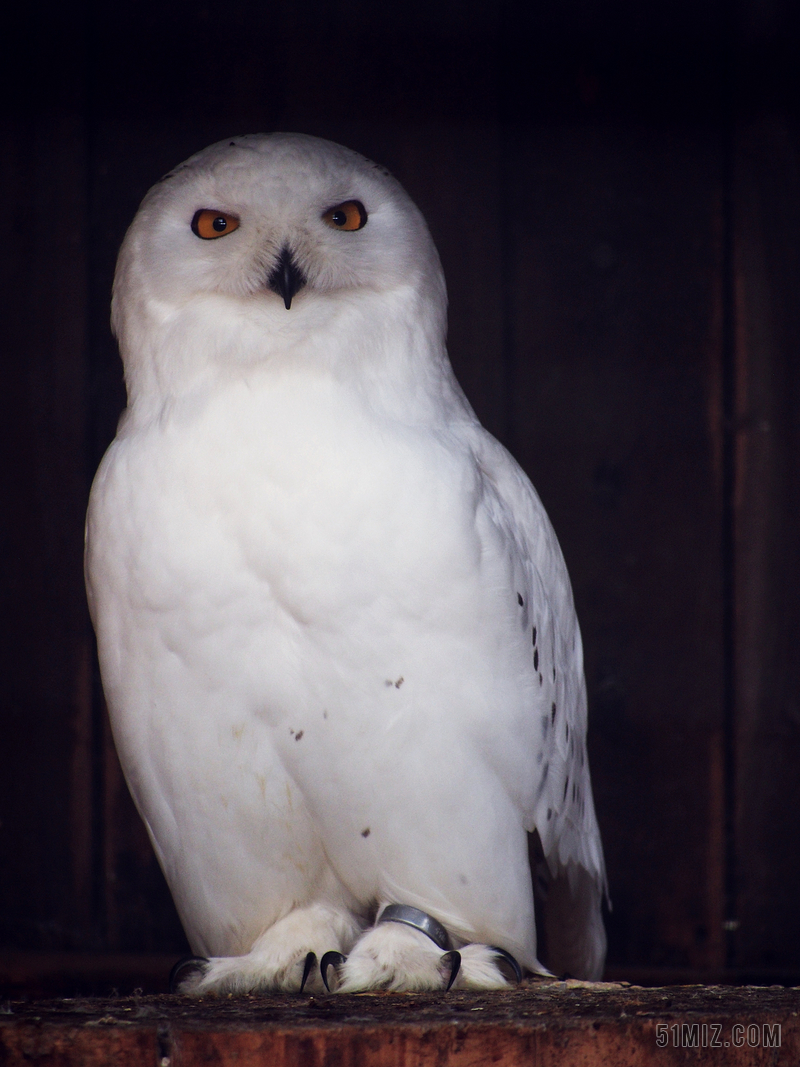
{"points": [[559, 805]]}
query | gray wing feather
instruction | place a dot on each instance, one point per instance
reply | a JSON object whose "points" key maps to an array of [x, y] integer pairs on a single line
{"points": [[562, 812]]}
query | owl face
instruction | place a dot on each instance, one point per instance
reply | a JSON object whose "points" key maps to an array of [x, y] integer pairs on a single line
{"points": [[270, 250], [275, 218]]}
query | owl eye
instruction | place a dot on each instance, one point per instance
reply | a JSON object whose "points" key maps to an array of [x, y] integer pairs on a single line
{"points": [[351, 215], [209, 224]]}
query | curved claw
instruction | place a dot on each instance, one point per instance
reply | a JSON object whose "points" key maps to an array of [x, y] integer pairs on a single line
{"points": [[507, 965], [453, 961], [308, 967], [330, 959], [185, 966]]}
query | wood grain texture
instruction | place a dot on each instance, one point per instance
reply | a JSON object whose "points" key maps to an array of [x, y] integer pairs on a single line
{"points": [[767, 620], [555, 1024]]}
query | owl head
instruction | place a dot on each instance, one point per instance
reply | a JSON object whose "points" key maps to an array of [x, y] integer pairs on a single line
{"points": [[263, 244]]}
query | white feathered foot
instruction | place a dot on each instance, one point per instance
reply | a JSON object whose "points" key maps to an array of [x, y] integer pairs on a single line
{"points": [[409, 953], [398, 955], [282, 960]]}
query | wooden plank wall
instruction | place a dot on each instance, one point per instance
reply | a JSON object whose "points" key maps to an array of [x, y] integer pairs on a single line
{"points": [[766, 203], [617, 215]]}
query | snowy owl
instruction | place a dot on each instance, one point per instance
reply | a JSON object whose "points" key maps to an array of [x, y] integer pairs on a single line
{"points": [[336, 632]]}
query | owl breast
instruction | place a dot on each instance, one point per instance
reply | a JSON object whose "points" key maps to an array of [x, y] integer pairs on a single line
{"points": [[298, 597]]}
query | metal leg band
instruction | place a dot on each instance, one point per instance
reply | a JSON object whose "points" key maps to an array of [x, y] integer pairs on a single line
{"points": [[419, 920]]}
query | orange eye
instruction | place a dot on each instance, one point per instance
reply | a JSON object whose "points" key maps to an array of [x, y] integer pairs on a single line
{"points": [[209, 224], [351, 215]]}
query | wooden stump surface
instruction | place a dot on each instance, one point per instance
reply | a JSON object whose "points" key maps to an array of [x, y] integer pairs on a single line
{"points": [[541, 1023]]}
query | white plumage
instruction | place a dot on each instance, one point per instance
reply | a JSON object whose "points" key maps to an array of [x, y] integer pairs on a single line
{"points": [[335, 628]]}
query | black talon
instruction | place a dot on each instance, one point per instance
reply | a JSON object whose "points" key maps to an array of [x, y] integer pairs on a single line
{"points": [[183, 968], [330, 959], [511, 964], [308, 967], [453, 960]]}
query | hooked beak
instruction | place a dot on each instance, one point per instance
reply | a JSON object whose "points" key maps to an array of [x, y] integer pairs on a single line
{"points": [[286, 278]]}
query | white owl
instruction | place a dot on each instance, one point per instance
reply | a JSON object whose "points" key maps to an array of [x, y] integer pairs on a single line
{"points": [[336, 632]]}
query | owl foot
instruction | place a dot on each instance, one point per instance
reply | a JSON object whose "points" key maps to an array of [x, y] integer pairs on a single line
{"points": [[244, 974], [451, 960], [281, 960], [185, 970], [393, 957], [487, 967], [403, 952]]}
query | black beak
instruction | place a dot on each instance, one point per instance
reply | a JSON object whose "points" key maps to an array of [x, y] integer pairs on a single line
{"points": [[286, 277]]}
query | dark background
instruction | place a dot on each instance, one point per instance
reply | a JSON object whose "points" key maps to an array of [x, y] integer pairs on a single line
{"points": [[614, 188]]}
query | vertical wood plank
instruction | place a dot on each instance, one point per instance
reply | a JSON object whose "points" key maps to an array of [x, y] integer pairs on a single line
{"points": [[46, 847], [617, 265], [767, 538]]}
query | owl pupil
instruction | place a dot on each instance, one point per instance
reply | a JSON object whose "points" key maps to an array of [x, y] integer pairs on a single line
{"points": [[219, 224], [339, 218]]}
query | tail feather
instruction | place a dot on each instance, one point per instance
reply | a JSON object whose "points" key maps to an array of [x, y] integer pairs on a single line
{"points": [[569, 919], [575, 938]]}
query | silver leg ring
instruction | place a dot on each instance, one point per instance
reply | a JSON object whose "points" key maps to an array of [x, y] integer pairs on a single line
{"points": [[419, 920]]}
